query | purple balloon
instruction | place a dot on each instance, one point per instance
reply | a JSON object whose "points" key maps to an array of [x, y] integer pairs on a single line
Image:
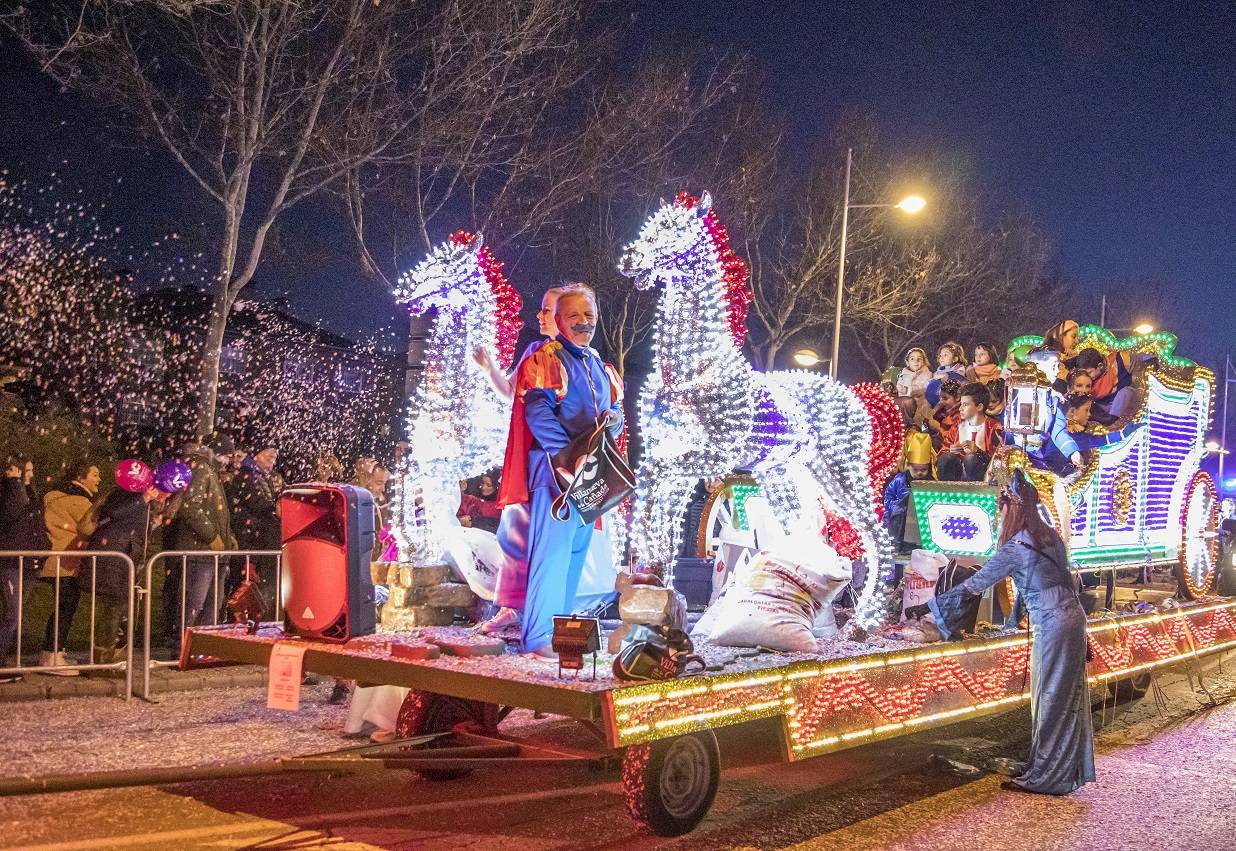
{"points": [[172, 476]]}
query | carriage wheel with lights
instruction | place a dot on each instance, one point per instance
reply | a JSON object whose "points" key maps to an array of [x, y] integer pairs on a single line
{"points": [[1198, 557], [670, 784], [735, 488]]}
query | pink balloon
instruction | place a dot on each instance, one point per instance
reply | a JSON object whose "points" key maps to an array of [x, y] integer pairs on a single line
{"points": [[134, 476]]}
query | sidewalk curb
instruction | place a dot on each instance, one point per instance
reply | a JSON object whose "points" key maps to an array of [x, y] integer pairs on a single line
{"points": [[45, 687]]}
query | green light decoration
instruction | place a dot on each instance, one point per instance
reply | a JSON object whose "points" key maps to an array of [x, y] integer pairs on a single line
{"points": [[927, 495], [1162, 343], [739, 494]]}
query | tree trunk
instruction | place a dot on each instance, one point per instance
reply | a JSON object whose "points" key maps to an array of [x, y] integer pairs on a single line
{"points": [[769, 356], [211, 350]]}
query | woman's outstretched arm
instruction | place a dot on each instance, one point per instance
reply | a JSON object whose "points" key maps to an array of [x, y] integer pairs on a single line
{"points": [[500, 381]]}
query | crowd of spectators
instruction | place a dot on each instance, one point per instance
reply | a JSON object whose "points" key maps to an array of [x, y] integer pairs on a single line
{"points": [[230, 503]]}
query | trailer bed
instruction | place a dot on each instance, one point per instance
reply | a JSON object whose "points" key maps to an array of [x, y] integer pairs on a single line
{"points": [[847, 694]]}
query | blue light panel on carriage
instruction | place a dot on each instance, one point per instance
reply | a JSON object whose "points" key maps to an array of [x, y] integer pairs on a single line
{"points": [[1160, 460]]}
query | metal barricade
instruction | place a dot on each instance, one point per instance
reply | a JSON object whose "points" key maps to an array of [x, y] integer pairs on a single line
{"points": [[218, 558], [20, 598]]}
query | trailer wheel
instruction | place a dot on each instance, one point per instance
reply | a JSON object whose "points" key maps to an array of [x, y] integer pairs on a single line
{"points": [[1199, 539], [670, 784], [425, 712]]}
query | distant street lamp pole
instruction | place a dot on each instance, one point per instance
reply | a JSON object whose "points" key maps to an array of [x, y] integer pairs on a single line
{"points": [[910, 204]]}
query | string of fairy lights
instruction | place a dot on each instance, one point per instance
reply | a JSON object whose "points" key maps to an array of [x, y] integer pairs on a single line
{"points": [[830, 705]]}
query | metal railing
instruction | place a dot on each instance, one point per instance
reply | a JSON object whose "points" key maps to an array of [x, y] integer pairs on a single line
{"points": [[218, 558], [82, 556]]}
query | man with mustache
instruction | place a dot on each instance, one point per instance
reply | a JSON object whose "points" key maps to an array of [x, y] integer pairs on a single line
{"points": [[566, 390]]}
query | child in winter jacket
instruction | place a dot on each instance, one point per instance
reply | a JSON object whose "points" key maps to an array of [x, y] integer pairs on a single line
{"points": [[970, 444]]}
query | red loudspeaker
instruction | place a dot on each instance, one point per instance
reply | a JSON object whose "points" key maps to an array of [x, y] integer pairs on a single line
{"points": [[328, 539]]}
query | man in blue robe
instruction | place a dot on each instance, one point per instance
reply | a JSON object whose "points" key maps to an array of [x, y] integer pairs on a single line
{"points": [[567, 390]]}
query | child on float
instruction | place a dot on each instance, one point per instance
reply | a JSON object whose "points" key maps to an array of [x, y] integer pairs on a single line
{"points": [[1064, 450], [946, 412], [972, 441], [950, 366], [912, 384], [1079, 381], [1077, 407], [917, 458], [1061, 338], [997, 394], [1115, 396], [986, 366]]}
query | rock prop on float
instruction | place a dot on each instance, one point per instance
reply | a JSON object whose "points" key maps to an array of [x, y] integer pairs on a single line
{"points": [[454, 642], [421, 596], [643, 602]]}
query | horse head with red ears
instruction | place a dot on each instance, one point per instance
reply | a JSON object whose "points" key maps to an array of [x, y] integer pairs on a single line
{"points": [[680, 238], [459, 277]]}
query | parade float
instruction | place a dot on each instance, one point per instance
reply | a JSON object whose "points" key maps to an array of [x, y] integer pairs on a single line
{"points": [[815, 454], [1141, 500]]}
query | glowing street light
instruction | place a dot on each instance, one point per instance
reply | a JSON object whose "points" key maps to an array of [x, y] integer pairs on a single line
{"points": [[1143, 329], [911, 204], [806, 357]]}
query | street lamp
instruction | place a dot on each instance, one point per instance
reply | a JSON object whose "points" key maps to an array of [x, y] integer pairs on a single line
{"points": [[1143, 329], [807, 358], [910, 204]]}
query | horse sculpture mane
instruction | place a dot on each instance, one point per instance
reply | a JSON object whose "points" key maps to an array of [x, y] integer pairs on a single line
{"points": [[810, 442], [734, 270], [506, 296]]}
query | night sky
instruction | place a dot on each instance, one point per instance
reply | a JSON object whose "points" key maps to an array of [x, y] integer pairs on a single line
{"points": [[1113, 124]]}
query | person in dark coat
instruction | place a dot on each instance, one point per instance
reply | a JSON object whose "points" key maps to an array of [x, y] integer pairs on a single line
{"points": [[1061, 757], [255, 515], [21, 528], [202, 522], [124, 520]]}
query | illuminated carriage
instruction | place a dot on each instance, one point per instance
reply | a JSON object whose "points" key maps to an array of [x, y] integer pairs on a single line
{"points": [[1141, 500]]}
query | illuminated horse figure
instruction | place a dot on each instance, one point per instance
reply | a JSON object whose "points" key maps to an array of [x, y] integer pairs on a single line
{"points": [[704, 411], [457, 422]]}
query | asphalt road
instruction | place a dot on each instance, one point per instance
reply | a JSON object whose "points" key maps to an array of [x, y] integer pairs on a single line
{"points": [[881, 796]]}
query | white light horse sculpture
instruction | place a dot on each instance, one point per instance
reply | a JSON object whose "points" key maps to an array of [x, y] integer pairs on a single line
{"points": [[457, 422], [704, 411]]}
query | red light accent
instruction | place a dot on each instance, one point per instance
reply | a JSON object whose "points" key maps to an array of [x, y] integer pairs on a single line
{"points": [[509, 301], [734, 270]]}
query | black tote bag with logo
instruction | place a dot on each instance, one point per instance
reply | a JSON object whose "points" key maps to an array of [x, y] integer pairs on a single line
{"points": [[593, 474]]}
